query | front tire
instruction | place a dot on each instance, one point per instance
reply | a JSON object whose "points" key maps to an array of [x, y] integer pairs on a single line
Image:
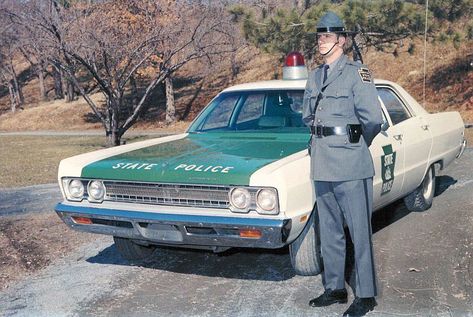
{"points": [[422, 197], [131, 250], [305, 250]]}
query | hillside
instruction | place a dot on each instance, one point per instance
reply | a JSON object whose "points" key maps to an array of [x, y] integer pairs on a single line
{"points": [[449, 86]]}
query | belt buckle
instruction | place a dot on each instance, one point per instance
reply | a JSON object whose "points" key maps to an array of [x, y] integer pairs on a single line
{"points": [[319, 131]]}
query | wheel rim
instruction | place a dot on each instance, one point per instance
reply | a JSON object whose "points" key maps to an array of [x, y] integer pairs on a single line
{"points": [[428, 185]]}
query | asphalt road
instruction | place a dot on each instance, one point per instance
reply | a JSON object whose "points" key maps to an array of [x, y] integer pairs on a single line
{"points": [[37, 198], [424, 262]]}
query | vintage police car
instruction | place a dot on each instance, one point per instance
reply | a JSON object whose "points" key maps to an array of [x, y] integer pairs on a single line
{"points": [[239, 177]]}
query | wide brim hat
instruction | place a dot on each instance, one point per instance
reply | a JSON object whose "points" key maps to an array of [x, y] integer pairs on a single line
{"points": [[330, 22]]}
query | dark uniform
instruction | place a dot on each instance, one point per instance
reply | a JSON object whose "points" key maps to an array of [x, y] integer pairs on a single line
{"points": [[344, 115]]}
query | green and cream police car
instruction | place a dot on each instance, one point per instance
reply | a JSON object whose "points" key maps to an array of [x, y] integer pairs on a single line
{"points": [[239, 176]]}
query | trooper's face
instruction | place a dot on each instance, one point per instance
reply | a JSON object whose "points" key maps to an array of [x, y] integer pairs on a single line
{"points": [[330, 41]]}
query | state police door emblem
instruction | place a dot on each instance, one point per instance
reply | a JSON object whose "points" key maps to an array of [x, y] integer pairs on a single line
{"points": [[388, 161]]}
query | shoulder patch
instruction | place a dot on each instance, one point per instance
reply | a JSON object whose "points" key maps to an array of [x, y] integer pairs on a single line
{"points": [[365, 75]]}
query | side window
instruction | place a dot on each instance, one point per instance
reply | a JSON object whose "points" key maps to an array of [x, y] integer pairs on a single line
{"points": [[220, 116], [252, 109], [297, 99], [396, 109]]}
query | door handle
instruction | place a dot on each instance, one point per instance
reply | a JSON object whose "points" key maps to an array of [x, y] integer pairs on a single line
{"points": [[398, 137], [425, 126]]}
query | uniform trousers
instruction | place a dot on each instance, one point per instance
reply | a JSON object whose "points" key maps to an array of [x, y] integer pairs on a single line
{"points": [[347, 202]]}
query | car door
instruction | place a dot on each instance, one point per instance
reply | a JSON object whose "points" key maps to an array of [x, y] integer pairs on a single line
{"points": [[388, 153], [414, 134]]}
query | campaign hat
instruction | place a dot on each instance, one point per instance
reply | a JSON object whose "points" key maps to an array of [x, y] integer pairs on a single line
{"points": [[330, 22]]}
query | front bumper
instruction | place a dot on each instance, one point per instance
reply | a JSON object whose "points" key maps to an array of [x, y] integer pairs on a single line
{"points": [[177, 229], [462, 148]]}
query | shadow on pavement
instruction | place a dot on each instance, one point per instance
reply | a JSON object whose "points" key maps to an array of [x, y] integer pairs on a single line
{"points": [[443, 183], [396, 210], [385, 217], [251, 264]]}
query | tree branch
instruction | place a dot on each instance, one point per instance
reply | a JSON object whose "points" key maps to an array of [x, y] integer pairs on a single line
{"points": [[89, 101]]}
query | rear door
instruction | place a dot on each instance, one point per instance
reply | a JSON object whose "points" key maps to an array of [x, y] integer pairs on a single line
{"points": [[411, 139], [415, 136]]}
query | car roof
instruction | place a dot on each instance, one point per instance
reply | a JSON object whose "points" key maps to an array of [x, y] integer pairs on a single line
{"points": [[284, 84], [414, 107]]}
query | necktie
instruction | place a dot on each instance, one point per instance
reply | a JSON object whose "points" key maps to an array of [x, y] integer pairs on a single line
{"points": [[325, 73]]}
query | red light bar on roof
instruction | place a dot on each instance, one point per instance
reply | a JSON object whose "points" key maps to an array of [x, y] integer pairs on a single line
{"points": [[294, 67], [294, 59]]}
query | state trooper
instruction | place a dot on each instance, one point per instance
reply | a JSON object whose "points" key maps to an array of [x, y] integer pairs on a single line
{"points": [[341, 108]]}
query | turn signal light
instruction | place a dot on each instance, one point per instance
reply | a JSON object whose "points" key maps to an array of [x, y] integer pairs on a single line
{"points": [[82, 220], [250, 233]]}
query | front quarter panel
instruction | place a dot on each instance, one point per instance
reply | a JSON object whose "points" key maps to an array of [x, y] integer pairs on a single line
{"points": [[291, 177]]}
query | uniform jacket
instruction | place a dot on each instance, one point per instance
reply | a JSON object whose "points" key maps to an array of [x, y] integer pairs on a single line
{"points": [[348, 96]]}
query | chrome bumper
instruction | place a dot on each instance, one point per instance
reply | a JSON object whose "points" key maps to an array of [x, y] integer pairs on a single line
{"points": [[462, 148], [177, 230]]}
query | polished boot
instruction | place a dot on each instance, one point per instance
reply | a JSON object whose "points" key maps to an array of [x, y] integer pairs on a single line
{"points": [[330, 297], [360, 307]]}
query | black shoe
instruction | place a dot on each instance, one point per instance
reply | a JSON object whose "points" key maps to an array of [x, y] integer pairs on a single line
{"points": [[330, 297], [360, 307]]}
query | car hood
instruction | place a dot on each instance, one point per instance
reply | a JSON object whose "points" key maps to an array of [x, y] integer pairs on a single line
{"points": [[200, 158]]}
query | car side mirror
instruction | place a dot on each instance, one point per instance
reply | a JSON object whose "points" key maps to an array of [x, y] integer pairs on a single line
{"points": [[384, 126]]}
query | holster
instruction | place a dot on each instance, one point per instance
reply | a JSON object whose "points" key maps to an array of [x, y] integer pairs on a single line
{"points": [[354, 132]]}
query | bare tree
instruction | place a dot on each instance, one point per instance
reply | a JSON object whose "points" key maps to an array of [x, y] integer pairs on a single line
{"points": [[113, 42], [9, 44]]}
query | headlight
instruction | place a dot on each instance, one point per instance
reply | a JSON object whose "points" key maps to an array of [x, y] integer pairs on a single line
{"points": [[267, 201], [240, 199], [75, 189], [96, 191]]}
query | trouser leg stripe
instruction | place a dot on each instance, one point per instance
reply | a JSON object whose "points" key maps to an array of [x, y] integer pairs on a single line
{"points": [[368, 214]]}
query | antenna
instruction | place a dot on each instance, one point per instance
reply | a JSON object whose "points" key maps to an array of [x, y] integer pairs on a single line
{"points": [[425, 48], [356, 49]]}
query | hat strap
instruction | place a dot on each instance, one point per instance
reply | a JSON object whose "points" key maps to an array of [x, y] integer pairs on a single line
{"points": [[327, 29]]}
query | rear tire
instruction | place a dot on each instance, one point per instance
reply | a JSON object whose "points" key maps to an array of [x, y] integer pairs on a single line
{"points": [[131, 250], [422, 197], [305, 250]]}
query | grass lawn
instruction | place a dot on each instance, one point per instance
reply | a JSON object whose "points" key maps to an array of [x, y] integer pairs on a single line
{"points": [[31, 160]]}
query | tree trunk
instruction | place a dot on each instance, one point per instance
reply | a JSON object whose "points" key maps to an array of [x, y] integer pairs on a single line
{"points": [[235, 68], [114, 133], [58, 91], [17, 89], [191, 102], [302, 5], [11, 90], [170, 105], [42, 89], [134, 92], [113, 138], [70, 92], [64, 83]]}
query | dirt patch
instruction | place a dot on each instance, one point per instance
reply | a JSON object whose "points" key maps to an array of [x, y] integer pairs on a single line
{"points": [[31, 242]]}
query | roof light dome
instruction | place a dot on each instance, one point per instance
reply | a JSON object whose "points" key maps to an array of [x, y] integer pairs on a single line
{"points": [[294, 67]]}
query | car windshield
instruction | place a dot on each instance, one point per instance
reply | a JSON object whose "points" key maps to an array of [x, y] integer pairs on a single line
{"points": [[275, 111]]}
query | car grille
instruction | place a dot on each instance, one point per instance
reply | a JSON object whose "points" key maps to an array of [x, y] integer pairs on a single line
{"points": [[168, 194]]}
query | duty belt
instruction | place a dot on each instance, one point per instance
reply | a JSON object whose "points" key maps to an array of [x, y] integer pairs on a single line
{"points": [[320, 130]]}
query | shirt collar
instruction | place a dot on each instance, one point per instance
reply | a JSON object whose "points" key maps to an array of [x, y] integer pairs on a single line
{"points": [[334, 64]]}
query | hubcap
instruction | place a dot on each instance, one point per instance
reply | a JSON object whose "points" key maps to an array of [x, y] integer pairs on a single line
{"points": [[428, 185]]}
